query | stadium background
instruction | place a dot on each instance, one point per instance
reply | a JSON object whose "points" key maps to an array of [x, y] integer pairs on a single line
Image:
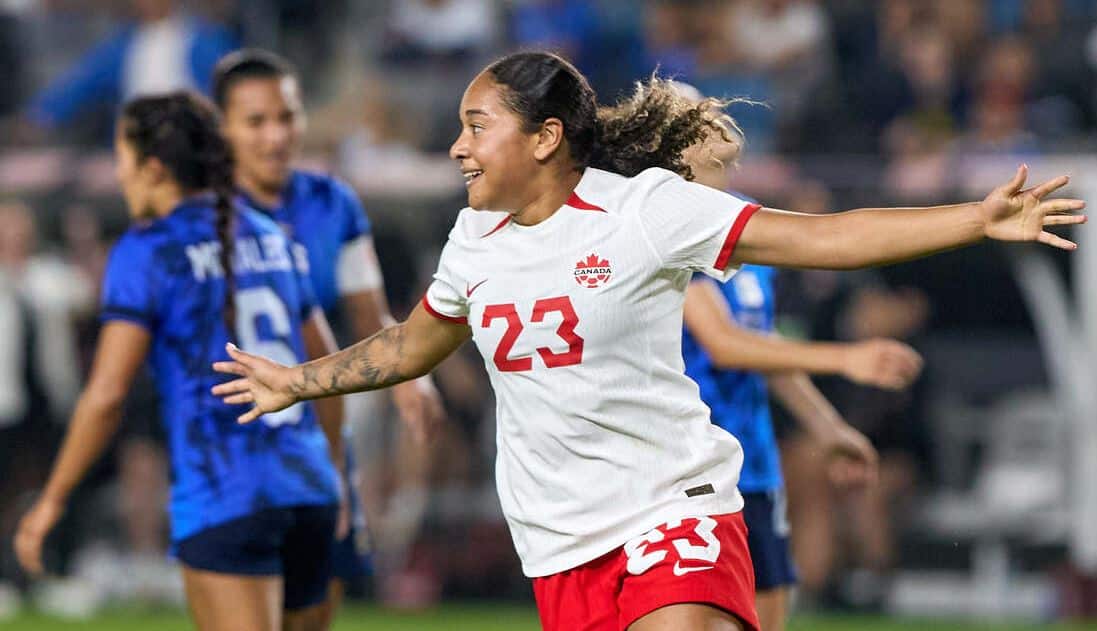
{"points": [[985, 509]]}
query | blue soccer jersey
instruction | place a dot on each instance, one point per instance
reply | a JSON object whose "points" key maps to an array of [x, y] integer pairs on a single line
{"points": [[739, 399], [324, 215], [166, 277]]}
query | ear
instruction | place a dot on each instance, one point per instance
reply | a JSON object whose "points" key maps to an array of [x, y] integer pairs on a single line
{"points": [[153, 171], [549, 139]]}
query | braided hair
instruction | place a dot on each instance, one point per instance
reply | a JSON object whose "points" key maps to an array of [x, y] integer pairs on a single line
{"points": [[182, 131]]}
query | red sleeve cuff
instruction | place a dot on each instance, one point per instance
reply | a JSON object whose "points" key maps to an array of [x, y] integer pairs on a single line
{"points": [[441, 316], [733, 235]]}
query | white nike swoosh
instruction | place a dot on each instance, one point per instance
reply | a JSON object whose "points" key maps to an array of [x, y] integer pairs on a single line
{"points": [[682, 571]]}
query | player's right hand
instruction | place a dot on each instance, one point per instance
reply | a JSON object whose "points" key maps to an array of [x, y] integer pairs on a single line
{"points": [[882, 363], [265, 384], [32, 532]]}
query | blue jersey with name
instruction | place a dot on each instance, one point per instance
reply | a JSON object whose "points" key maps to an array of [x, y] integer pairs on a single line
{"points": [[324, 215], [166, 276], [738, 399]]}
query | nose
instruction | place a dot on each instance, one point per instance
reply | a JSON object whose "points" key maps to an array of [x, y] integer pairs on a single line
{"points": [[278, 133], [459, 149]]}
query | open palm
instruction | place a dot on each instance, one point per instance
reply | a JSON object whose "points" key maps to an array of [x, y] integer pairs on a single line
{"points": [[1014, 213], [264, 383]]}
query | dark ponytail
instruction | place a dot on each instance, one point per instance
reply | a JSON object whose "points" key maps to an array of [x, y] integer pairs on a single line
{"points": [[182, 131], [650, 128]]}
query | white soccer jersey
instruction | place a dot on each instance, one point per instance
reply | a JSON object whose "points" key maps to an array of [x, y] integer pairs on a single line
{"points": [[601, 436]]}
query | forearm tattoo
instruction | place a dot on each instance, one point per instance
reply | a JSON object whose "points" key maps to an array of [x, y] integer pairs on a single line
{"points": [[368, 365]]}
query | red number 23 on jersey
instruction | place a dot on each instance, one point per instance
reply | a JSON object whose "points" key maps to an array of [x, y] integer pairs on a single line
{"points": [[544, 306]]}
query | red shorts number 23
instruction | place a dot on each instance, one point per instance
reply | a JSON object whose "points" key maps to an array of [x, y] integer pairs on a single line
{"points": [[692, 560]]}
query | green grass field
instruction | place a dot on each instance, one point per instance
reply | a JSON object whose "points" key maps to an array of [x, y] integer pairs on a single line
{"points": [[486, 618]]}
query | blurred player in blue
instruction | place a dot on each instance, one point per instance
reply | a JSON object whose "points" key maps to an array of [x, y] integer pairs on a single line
{"points": [[253, 508], [731, 352], [264, 122]]}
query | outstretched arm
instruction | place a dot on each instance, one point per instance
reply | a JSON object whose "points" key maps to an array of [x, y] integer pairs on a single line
{"points": [[852, 458], [393, 355], [119, 353], [881, 363], [881, 236]]}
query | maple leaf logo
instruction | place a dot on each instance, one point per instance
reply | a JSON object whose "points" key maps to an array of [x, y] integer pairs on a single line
{"points": [[592, 271]]}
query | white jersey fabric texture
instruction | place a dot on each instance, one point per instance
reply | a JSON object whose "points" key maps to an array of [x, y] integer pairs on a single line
{"points": [[601, 436]]}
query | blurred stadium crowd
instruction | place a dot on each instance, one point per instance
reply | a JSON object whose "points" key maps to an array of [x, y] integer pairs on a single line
{"points": [[863, 103]]}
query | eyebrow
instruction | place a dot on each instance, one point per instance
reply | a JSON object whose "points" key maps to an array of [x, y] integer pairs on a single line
{"points": [[475, 112]]}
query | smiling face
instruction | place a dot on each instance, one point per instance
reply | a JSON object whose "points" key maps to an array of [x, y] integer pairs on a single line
{"points": [[496, 156], [263, 123]]}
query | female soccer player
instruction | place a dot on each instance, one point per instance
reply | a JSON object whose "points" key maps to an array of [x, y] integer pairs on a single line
{"points": [[264, 121], [253, 508], [569, 272], [731, 353]]}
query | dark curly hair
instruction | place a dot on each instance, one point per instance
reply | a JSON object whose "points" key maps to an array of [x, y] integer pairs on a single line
{"points": [[650, 128], [181, 130]]}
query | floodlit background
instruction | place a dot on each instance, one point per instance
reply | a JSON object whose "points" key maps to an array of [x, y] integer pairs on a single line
{"points": [[988, 494]]}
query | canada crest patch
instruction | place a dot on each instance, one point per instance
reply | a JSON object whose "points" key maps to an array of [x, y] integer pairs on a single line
{"points": [[592, 271]]}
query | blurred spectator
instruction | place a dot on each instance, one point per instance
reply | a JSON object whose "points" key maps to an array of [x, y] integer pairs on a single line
{"points": [[440, 30], [377, 145], [787, 40], [965, 22], [55, 294], [162, 49], [997, 115], [430, 49], [32, 307], [569, 27], [1062, 98], [919, 166]]}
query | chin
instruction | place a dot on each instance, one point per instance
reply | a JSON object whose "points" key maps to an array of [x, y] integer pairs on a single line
{"points": [[275, 179], [477, 202]]}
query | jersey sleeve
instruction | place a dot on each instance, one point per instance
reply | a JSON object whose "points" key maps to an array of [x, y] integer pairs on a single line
{"points": [[695, 227], [445, 298], [304, 282], [130, 282], [357, 268], [356, 222]]}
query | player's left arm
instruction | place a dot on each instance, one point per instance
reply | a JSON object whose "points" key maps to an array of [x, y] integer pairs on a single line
{"points": [[881, 236], [119, 354], [853, 458], [880, 363]]}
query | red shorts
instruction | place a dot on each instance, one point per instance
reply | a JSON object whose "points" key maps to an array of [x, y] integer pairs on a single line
{"points": [[697, 560]]}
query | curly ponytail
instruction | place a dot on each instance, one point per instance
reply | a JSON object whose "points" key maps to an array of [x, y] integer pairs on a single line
{"points": [[653, 126], [182, 131], [650, 128]]}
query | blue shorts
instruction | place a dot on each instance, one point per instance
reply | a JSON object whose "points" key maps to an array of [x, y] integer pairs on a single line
{"points": [[767, 537], [293, 542]]}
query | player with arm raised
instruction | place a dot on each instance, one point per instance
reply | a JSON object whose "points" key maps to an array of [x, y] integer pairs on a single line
{"points": [[731, 352], [264, 120], [569, 271]]}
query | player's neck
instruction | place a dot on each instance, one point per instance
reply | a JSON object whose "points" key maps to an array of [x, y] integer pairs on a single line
{"points": [[265, 196], [712, 177], [165, 199], [549, 199]]}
